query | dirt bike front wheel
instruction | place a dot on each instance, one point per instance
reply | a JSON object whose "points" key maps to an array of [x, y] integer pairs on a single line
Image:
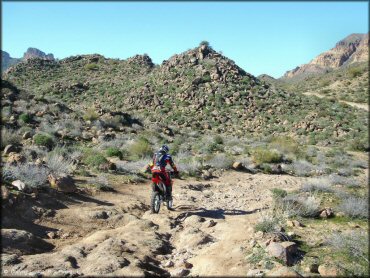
{"points": [[155, 202]]}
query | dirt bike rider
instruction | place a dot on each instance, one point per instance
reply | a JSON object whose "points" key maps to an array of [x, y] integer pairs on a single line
{"points": [[158, 166]]}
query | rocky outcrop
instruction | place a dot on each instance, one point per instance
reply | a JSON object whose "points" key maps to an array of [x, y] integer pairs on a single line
{"points": [[354, 48], [36, 53]]}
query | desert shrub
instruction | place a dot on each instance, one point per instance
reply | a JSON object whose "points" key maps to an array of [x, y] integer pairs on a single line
{"points": [[133, 167], [140, 148], [220, 161], [261, 155], [25, 118], [101, 183], [278, 193], [112, 151], [9, 137], [305, 206], [285, 145], [91, 115], [354, 207], [317, 185], [267, 224], [358, 144], [91, 66], [302, 168], [354, 248], [354, 72], [42, 139], [188, 164], [30, 174], [93, 158], [59, 165], [346, 181], [218, 139]]}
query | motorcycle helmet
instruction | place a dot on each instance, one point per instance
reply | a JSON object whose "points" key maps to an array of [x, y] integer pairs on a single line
{"points": [[164, 148]]}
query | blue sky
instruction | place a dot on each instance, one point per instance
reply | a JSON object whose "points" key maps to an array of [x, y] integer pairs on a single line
{"points": [[261, 37]]}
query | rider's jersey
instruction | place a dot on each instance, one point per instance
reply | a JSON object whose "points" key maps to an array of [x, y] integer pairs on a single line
{"points": [[160, 160]]}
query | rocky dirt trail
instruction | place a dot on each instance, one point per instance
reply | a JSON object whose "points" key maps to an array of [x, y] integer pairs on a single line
{"points": [[114, 233], [363, 106]]}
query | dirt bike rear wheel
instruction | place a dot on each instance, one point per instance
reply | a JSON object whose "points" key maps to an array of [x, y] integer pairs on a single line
{"points": [[155, 202]]}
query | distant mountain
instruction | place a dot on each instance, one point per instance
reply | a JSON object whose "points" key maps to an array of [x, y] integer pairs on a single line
{"points": [[7, 61], [352, 49], [36, 53]]}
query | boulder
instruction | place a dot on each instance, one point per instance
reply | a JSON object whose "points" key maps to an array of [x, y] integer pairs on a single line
{"points": [[4, 192], [20, 185], [238, 165], [327, 270], [326, 213], [285, 251], [64, 184], [9, 149], [27, 135], [282, 271], [255, 273]]}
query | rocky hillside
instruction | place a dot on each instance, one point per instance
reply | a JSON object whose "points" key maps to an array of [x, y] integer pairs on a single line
{"points": [[199, 89], [352, 49], [7, 61]]}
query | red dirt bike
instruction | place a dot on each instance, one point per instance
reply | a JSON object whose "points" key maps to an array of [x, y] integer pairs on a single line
{"points": [[159, 192]]}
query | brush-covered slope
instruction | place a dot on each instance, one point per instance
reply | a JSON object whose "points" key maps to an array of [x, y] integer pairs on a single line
{"points": [[199, 89]]}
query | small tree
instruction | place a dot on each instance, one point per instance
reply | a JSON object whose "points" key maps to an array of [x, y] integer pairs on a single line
{"points": [[206, 43]]}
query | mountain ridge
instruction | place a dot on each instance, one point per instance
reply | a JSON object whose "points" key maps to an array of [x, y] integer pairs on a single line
{"points": [[351, 49]]}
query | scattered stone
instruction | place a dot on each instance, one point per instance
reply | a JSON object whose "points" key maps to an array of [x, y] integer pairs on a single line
{"points": [[14, 158], [312, 268], [4, 192], [169, 264], [181, 273], [255, 273], [9, 259], [20, 185], [9, 149], [51, 235], [259, 234], [294, 223], [327, 270], [27, 135], [187, 264], [285, 251], [211, 223], [282, 271], [238, 166], [326, 213], [64, 184]]}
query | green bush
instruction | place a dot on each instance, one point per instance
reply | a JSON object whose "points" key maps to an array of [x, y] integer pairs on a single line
{"points": [[90, 115], [218, 140], [278, 193], [141, 148], [25, 117], [206, 43], [354, 72], [112, 151], [91, 66], [261, 155], [45, 140], [95, 159]]}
